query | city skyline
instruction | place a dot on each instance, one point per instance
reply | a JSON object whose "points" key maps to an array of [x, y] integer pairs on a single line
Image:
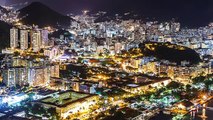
{"points": [[160, 10], [133, 60]]}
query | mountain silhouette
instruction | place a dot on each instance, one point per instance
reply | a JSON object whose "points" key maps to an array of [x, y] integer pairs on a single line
{"points": [[39, 14]]}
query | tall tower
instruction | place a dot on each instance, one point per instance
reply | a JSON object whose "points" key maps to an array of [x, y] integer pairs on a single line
{"points": [[44, 36], [36, 41], [24, 39], [13, 38]]}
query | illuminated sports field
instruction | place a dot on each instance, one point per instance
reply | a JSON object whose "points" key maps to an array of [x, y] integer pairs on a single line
{"points": [[64, 98]]}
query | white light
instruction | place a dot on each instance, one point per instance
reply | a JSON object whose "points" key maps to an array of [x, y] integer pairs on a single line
{"points": [[10, 100]]}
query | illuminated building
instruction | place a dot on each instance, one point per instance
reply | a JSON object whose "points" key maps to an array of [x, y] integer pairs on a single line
{"points": [[111, 33], [44, 37], [15, 76], [69, 102], [52, 52], [63, 67], [100, 49], [21, 71], [36, 41], [39, 76], [118, 47], [9, 77], [16, 62], [24, 39], [55, 71], [13, 38], [76, 86], [150, 67], [73, 45], [175, 27], [94, 46], [184, 105], [170, 72], [143, 87], [135, 63]]}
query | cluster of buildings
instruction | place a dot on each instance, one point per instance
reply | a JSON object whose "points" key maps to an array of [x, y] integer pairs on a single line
{"points": [[88, 38], [22, 63], [8, 15], [34, 59], [25, 71], [28, 39]]}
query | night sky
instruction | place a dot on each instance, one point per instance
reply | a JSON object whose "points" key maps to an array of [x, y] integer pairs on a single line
{"points": [[197, 11], [66, 6]]}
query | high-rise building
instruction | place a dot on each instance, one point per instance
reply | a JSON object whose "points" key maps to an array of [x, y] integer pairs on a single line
{"points": [[24, 39], [9, 77], [42, 76], [13, 38], [44, 37], [15, 76], [36, 41], [38, 76]]}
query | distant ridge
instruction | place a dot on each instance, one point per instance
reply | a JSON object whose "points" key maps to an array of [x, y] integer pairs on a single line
{"points": [[190, 13], [186, 21]]}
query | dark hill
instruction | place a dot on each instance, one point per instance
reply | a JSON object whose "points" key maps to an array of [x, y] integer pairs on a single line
{"points": [[4, 35], [39, 14], [57, 33], [170, 52]]}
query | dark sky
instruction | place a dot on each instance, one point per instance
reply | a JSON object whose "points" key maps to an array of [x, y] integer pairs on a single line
{"points": [[189, 11], [66, 6]]}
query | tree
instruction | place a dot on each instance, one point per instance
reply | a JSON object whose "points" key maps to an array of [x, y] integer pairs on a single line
{"points": [[112, 110], [101, 54], [16, 53], [36, 109], [118, 116], [208, 83], [198, 79], [174, 85], [79, 60], [54, 115], [188, 87]]}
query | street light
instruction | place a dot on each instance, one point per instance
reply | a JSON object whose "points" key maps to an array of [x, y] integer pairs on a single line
{"points": [[204, 97], [181, 106], [85, 12]]}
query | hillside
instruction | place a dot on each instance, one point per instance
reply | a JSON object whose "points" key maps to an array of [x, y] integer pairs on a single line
{"points": [[190, 13], [170, 52], [4, 34], [39, 14], [59, 32]]}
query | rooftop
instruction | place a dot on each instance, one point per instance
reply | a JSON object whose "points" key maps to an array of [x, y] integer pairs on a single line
{"points": [[65, 98]]}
